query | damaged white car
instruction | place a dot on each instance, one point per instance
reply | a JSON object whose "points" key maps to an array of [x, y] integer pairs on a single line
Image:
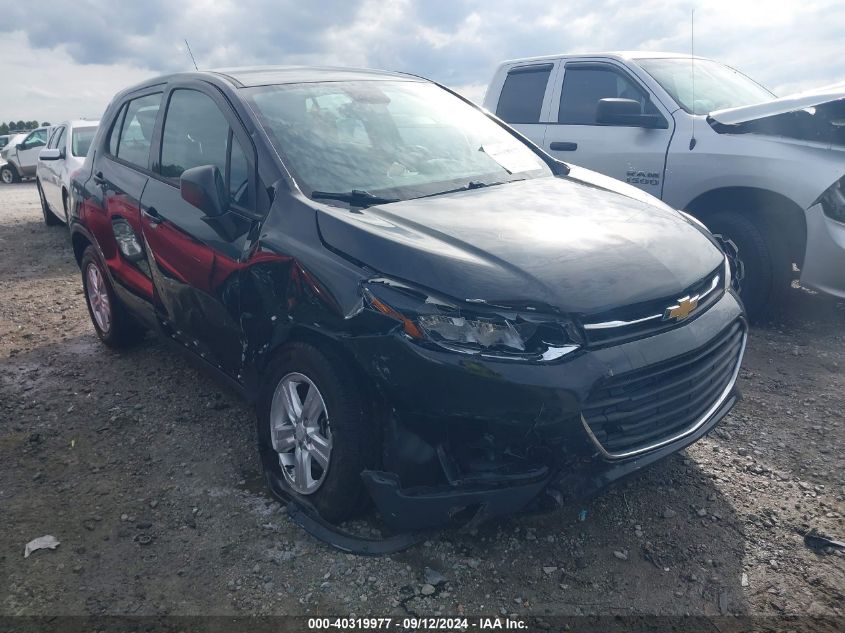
{"points": [[766, 173]]}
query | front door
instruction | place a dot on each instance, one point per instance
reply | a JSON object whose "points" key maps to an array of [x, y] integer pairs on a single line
{"points": [[195, 259], [29, 150], [634, 155], [49, 172]]}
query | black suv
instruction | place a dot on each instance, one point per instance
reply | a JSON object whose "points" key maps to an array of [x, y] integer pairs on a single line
{"points": [[427, 310]]}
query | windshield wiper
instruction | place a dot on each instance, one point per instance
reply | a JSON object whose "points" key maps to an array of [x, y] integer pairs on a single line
{"points": [[472, 184], [356, 197]]}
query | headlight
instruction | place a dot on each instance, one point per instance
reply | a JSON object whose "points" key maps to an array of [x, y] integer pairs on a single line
{"points": [[501, 332], [833, 201]]}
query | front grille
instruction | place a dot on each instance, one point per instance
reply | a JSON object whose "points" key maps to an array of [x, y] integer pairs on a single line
{"points": [[635, 411], [646, 319]]}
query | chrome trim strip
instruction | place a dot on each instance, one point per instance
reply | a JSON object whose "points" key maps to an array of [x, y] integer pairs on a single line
{"points": [[689, 431], [605, 325], [611, 324]]}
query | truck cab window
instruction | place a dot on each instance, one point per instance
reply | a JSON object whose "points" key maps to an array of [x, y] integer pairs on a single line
{"points": [[584, 87], [522, 95]]}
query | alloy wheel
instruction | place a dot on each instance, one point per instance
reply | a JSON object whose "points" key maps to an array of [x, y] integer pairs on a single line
{"points": [[299, 427], [98, 297], [6, 175]]}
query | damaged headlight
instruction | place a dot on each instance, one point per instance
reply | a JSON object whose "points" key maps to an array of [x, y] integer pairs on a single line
{"points": [[833, 201], [503, 332]]}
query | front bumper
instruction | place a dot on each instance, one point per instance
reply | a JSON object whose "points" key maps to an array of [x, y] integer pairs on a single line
{"points": [[526, 418], [824, 258]]}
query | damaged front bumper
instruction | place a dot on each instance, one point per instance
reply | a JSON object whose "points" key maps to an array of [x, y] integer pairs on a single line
{"points": [[824, 260], [470, 440], [470, 504]]}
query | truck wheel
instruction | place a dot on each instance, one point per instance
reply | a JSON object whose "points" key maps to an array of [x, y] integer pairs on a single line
{"points": [[113, 324], [49, 218], [767, 268], [314, 435], [9, 174]]}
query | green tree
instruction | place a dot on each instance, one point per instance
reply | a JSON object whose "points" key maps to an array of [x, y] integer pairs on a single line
{"points": [[20, 125], [45, 124], [4, 129]]}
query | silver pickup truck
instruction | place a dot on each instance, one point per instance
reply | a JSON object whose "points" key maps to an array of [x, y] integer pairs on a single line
{"points": [[766, 173]]}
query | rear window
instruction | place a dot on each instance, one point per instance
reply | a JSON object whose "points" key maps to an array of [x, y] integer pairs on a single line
{"points": [[522, 95], [80, 141]]}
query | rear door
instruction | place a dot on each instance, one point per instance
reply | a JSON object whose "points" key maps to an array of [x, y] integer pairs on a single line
{"points": [[525, 97], [195, 259], [121, 174], [634, 155]]}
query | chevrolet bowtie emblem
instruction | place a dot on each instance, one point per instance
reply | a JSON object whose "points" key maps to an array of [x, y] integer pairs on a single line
{"points": [[682, 310]]}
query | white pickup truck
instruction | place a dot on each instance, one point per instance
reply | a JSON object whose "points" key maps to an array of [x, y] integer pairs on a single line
{"points": [[764, 172]]}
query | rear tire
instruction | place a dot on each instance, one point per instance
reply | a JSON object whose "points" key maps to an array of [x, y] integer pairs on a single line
{"points": [[768, 272], [112, 322], [353, 442], [8, 174], [49, 218]]}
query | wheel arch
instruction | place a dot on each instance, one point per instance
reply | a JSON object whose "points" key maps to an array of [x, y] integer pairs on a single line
{"points": [[771, 211], [302, 334], [80, 242]]}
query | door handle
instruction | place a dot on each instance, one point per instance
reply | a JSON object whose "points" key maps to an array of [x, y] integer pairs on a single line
{"points": [[152, 216], [98, 178], [563, 146]]}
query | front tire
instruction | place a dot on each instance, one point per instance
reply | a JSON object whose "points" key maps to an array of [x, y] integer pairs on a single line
{"points": [[111, 321], [9, 174], [767, 268], [49, 218], [315, 437]]}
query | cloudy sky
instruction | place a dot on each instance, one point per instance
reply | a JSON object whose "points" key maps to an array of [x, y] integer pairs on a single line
{"points": [[65, 59]]}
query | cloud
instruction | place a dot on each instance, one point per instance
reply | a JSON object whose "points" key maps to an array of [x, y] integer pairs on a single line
{"points": [[93, 46]]}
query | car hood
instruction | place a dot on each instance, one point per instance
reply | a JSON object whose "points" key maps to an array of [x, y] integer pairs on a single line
{"points": [[556, 242], [782, 105]]}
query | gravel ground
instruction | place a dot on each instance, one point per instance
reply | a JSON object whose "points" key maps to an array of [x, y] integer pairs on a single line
{"points": [[146, 471]]}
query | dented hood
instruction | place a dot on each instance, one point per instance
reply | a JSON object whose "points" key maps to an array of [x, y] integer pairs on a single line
{"points": [[551, 241], [782, 105]]}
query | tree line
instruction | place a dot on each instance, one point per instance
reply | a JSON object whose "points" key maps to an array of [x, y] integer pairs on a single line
{"points": [[20, 126]]}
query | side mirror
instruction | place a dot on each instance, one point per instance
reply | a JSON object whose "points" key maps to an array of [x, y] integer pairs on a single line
{"points": [[203, 188], [626, 112], [20, 146], [50, 154]]}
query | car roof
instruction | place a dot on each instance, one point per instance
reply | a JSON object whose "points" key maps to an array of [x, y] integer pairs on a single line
{"points": [[618, 55], [271, 75]]}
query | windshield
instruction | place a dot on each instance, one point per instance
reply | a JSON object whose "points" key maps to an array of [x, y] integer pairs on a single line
{"points": [[397, 139], [716, 86], [81, 140]]}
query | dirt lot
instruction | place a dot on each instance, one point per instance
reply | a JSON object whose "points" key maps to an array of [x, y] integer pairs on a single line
{"points": [[146, 471]]}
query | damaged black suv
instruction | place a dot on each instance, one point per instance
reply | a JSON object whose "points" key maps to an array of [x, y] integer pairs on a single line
{"points": [[427, 310]]}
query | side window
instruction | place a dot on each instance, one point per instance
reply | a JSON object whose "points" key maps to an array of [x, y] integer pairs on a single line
{"points": [[114, 135], [238, 180], [195, 133], [584, 87], [137, 130], [54, 137], [522, 95], [59, 138], [35, 139]]}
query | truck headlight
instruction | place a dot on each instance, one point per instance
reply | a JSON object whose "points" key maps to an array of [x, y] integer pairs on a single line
{"points": [[505, 333], [833, 201]]}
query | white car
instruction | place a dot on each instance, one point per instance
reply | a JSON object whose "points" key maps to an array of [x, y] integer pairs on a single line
{"points": [[64, 154], [20, 155], [768, 173]]}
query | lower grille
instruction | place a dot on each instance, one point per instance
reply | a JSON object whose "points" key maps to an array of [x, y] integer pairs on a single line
{"points": [[643, 409]]}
